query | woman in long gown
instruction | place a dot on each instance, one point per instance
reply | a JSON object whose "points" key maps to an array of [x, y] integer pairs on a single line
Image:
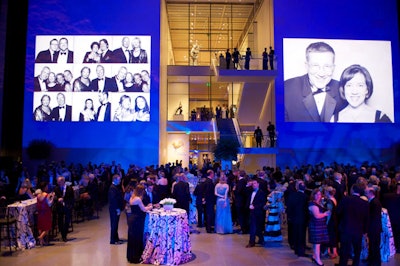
{"points": [[136, 225], [223, 217], [44, 202], [275, 206]]}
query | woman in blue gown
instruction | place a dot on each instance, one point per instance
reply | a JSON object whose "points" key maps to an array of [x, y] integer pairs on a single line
{"points": [[223, 218]]}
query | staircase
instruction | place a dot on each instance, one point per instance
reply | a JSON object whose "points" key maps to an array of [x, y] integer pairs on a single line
{"points": [[227, 130]]}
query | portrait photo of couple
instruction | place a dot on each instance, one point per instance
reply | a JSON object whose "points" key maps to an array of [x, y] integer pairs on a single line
{"points": [[339, 81]]}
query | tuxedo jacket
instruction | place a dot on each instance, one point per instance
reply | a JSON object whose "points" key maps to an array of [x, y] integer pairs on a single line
{"points": [[375, 217], [208, 192], [45, 57], [353, 215], [107, 115], [241, 193], [70, 57], [36, 84], [300, 105], [119, 56], [146, 198], [94, 85], [113, 85], [68, 198], [55, 114], [259, 201], [297, 208], [115, 198]]}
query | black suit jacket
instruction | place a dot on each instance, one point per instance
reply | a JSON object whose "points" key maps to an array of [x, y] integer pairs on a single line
{"points": [[107, 115], [45, 57], [119, 56], [70, 58], [297, 208], [300, 105], [182, 195], [94, 85], [55, 114], [36, 84], [113, 87], [353, 214], [241, 193], [146, 198], [107, 58], [375, 217], [68, 198], [208, 193], [259, 201], [115, 198]]}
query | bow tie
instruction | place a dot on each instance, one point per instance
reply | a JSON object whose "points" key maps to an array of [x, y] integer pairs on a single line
{"points": [[127, 51], [320, 91], [64, 53], [104, 104], [62, 107], [101, 79]]}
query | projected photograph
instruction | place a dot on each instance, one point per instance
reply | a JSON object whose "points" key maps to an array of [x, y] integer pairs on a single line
{"points": [[338, 81], [100, 78]]}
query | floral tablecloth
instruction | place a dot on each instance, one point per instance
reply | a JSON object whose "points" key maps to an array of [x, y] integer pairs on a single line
{"points": [[24, 212], [169, 238]]}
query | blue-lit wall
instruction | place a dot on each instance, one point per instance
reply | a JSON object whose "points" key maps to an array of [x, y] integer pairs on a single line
{"points": [[97, 142], [301, 143]]}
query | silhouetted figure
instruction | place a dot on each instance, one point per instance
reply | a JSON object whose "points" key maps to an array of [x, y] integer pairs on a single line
{"points": [[228, 58], [271, 133], [265, 59], [247, 59], [235, 56], [271, 56], [259, 136]]}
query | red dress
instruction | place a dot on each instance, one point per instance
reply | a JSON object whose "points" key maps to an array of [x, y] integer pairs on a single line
{"points": [[44, 214]]}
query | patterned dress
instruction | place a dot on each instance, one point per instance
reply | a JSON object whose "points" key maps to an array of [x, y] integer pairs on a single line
{"points": [[317, 228], [275, 207]]}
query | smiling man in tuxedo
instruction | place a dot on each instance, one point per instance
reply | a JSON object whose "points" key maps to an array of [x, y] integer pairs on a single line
{"points": [[64, 55], [50, 55], [62, 112]]}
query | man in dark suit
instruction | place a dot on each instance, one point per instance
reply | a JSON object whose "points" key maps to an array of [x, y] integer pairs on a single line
{"points": [[198, 192], [374, 226], [209, 199], [104, 110], [101, 83], [150, 196], [256, 204], [314, 97], [62, 112], [353, 215], [64, 55], [50, 55], [117, 82], [241, 192], [39, 83], [116, 205], [181, 193], [106, 55], [64, 205], [122, 54], [297, 216], [339, 186]]}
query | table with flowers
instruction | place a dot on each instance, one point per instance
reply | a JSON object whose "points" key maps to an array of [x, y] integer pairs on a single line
{"points": [[168, 241]]}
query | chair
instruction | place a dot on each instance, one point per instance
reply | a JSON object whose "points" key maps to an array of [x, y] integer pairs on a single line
{"points": [[7, 224]]}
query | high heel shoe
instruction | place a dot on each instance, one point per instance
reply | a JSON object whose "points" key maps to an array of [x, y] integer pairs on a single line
{"points": [[314, 261]]}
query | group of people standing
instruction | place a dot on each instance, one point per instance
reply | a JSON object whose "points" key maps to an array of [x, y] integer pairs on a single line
{"points": [[259, 136], [235, 58]]}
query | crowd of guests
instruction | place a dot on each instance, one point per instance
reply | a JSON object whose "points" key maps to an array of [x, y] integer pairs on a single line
{"points": [[235, 57], [340, 205]]}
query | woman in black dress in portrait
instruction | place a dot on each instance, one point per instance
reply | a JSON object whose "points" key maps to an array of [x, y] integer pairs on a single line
{"points": [[136, 225]]}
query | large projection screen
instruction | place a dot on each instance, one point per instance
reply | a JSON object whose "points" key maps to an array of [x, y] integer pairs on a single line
{"points": [[360, 33], [108, 110]]}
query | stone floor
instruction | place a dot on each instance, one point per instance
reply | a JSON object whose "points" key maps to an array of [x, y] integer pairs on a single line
{"points": [[89, 245]]}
